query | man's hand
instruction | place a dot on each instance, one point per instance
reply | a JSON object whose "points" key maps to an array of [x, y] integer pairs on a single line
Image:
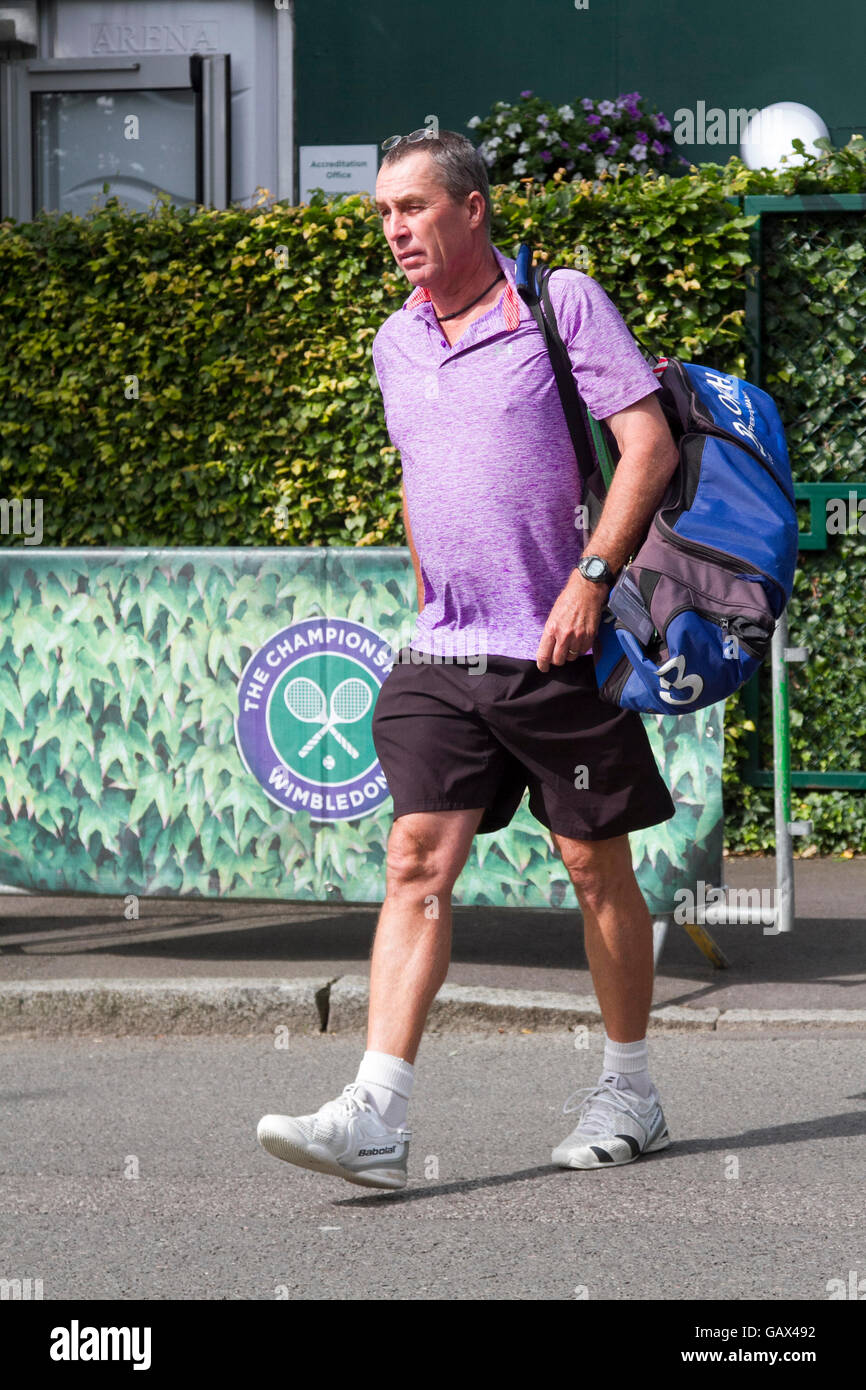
{"points": [[648, 457], [574, 618]]}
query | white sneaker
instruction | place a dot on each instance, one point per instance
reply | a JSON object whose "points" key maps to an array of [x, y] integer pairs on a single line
{"points": [[614, 1127], [346, 1138]]}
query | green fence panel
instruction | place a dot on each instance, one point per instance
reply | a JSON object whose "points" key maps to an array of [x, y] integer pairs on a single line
{"points": [[807, 334]]}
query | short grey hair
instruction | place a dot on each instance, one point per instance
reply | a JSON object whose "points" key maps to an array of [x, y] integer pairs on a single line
{"points": [[460, 166]]}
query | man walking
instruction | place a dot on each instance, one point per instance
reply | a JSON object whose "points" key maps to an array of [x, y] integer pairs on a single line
{"points": [[491, 487]]}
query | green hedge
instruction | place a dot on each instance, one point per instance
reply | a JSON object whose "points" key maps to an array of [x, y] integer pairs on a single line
{"points": [[193, 377], [254, 377]]}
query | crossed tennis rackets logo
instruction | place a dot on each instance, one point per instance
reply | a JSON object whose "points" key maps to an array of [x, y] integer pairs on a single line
{"points": [[306, 700], [304, 727]]}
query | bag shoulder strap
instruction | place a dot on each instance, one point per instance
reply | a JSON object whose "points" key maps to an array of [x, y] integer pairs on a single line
{"points": [[532, 290], [599, 443], [586, 435], [572, 405]]}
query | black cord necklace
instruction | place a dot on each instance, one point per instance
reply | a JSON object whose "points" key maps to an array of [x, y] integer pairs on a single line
{"points": [[442, 317]]}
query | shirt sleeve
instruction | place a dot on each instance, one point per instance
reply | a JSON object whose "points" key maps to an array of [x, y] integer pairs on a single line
{"points": [[378, 367], [606, 362]]}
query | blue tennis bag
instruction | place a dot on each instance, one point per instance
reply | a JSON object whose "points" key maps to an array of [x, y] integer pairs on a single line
{"points": [[691, 617]]}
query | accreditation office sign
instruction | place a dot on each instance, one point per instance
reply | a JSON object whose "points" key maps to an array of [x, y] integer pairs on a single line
{"points": [[337, 169], [304, 723]]}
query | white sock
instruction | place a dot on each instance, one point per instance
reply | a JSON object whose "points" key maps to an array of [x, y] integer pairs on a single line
{"points": [[626, 1066], [388, 1082]]}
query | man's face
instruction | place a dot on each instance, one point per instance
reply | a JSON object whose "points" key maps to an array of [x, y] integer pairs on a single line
{"points": [[428, 234]]}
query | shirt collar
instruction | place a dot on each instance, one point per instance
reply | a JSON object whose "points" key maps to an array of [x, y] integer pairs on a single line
{"points": [[510, 303]]}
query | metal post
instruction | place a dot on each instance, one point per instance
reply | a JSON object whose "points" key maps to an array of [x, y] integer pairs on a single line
{"points": [[781, 916], [660, 931], [784, 919]]}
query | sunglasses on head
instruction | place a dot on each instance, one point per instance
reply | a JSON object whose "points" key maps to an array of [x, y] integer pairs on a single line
{"points": [[421, 134]]}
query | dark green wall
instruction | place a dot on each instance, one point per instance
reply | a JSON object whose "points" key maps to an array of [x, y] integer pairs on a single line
{"points": [[376, 68]]}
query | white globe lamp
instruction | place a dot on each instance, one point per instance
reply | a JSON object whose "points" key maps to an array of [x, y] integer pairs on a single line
{"points": [[770, 133]]}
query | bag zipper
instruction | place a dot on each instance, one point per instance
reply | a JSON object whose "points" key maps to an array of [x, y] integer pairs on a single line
{"points": [[617, 689], [723, 557], [723, 623]]}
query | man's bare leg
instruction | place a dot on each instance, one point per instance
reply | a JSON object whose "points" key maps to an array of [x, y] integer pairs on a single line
{"points": [[617, 932], [412, 947], [614, 1129], [410, 957]]}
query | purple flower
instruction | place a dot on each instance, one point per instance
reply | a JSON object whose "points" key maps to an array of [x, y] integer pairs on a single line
{"points": [[630, 103], [613, 146], [570, 164], [587, 104], [526, 94], [544, 121], [607, 108], [564, 144], [598, 135], [546, 156], [593, 120], [658, 147], [642, 137], [661, 122], [585, 148]]}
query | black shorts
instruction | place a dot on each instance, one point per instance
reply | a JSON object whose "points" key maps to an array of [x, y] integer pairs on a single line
{"points": [[449, 738]]}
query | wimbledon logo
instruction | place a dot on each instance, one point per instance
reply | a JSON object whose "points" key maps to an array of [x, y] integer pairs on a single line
{"points": [[304, 727]]}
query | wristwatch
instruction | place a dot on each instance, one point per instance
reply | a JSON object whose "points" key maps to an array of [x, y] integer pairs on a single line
{"points": [[597, 570]]}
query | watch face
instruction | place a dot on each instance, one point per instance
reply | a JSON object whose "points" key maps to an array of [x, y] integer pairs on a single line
{"points": [[594, 568]]}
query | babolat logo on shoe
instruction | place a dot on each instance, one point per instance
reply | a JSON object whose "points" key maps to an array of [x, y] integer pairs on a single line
{"points": [[368, 1153], [304, 726]]}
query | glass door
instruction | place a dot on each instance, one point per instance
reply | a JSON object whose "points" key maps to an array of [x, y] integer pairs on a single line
{"points": [[139, 143], [143, 126]]}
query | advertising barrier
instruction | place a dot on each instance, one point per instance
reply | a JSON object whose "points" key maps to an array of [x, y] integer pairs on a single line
{"points": [[197, 722]]}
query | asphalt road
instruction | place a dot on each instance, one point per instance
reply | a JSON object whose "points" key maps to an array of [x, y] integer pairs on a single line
{"points": [[760, 1197]]}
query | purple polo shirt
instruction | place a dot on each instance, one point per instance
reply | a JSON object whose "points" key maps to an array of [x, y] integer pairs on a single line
{"points": [[492, 483]]}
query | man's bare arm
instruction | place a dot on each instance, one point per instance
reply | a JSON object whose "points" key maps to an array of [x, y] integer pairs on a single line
{"points": [[412, 551], [648, 457]]}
